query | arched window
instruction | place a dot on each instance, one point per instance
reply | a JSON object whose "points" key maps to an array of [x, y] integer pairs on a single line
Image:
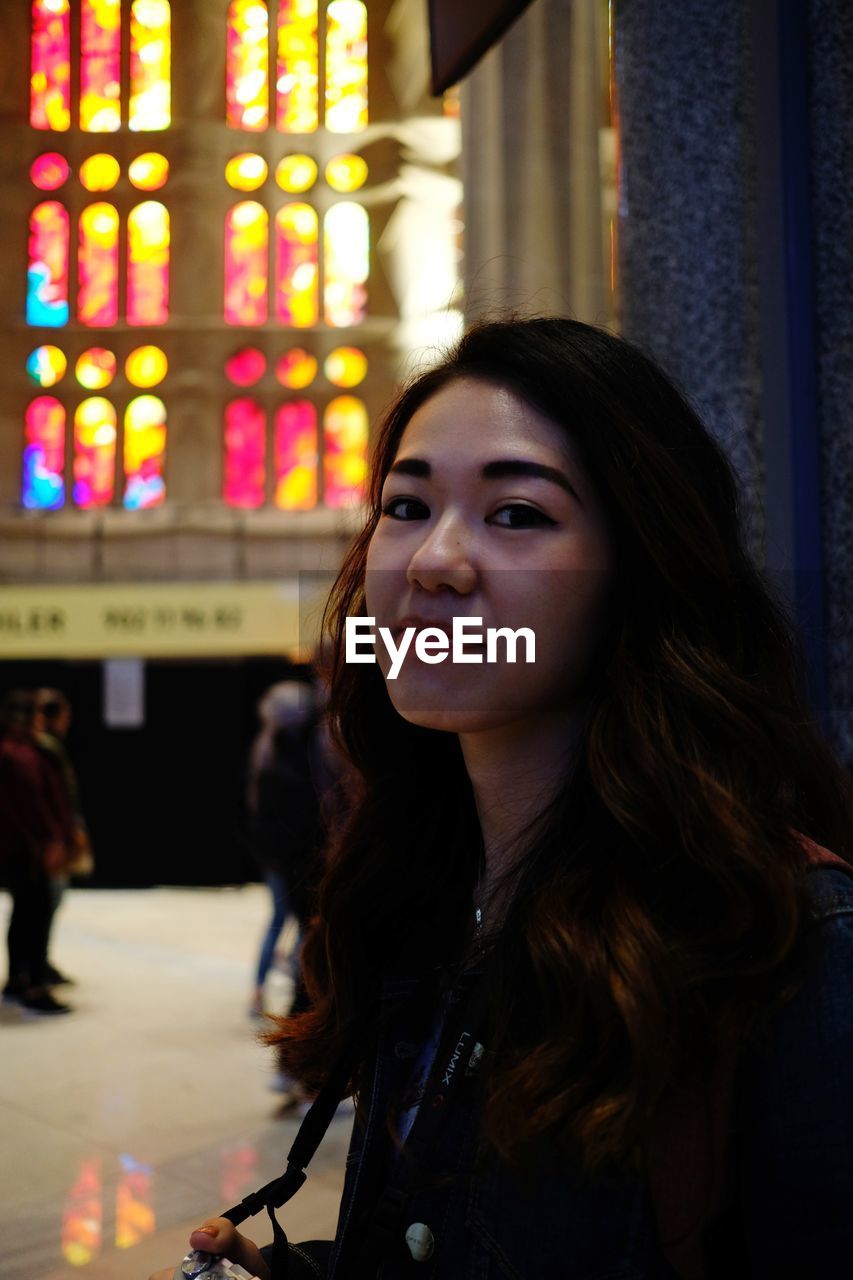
{"points": [[346, 242], [50, 65], [346, 66], [97, 265], [44, 455], [100, 66], [94, 453], [297, 82], [244, 479], [150, 105], [144, 453], [296, 275], [246, 263], [295, 453], [344, 451], [47, 272], [148, 264], [247, 63]]}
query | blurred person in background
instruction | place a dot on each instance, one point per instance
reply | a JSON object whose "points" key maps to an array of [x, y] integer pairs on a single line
{"points": [[36, 838], [52, 723], [286, 779]]}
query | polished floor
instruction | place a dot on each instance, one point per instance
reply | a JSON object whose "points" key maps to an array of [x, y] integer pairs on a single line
{"points": [[128, 1121]]}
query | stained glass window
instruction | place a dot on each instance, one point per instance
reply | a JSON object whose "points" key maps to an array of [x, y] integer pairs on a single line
{"points": [[150, 66], [46, 366], [97, 265], [47, 274], [346, 173], [244, 481], [146, 366], [345, 366], [44, 455], [148, 264], [149, 171], [144, 453], [296, 456], [296, 369], [296, 67], [49, 171], [95, 368], [246, 367], [100, 172], [344, 451], [346, 66], [346, 240], [94, 453], [50, 66], [246, 249], [246, 172], [296, 173], [100, 53], [296, 278], [247, 65]]}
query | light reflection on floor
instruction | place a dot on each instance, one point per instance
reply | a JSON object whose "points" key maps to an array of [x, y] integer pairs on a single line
{"points": [[148, 1108]]}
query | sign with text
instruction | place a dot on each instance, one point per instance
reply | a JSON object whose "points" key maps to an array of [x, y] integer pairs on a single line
{"points": [[176, 619]]}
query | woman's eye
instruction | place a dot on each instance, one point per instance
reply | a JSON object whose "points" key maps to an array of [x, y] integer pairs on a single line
{"points": [[517, 515], [405, 509]]}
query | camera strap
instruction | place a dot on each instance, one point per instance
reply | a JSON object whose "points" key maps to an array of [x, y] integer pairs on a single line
{"points": [[311, 1133], [453, 1057]]}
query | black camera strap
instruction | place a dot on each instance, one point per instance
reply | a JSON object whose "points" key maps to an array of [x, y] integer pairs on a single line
{"points": [[311, 1133], [453, 1058]]}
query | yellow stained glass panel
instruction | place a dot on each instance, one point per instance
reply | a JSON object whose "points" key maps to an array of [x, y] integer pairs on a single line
{"points": [[297, 102], [296, 173], [345, 451], [150, 66], [246, 172], [346, 66], [100, 73], [144, 453], [146, 366], [148, 264], [346, 173], [149, 171], [100, 172]]}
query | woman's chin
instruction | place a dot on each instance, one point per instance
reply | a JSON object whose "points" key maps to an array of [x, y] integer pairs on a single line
{"points": [[456, 705]]}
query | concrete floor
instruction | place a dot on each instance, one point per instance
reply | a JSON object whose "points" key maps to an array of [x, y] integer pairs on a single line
{"points": [[148, 1108]]}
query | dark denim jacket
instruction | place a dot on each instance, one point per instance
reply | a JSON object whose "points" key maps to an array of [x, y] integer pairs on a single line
{"points": [[791, 1205]]}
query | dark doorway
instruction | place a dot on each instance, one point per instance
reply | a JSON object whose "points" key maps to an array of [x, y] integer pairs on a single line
{"points": [[165, 802]]}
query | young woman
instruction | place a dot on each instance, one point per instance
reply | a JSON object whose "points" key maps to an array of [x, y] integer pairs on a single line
{"points": [[581, 943]]}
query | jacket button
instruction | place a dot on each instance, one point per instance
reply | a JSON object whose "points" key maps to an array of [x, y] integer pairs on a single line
{"points": [[421, 1241]]}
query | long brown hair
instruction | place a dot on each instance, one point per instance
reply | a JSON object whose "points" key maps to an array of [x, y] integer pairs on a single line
{"points": [[661, 897]]}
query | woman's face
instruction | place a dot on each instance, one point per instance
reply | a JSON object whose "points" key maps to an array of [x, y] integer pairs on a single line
{"points": [[487, 513]]}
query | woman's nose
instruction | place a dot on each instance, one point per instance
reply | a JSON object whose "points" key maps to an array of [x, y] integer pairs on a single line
{"points": [[444, 558]]}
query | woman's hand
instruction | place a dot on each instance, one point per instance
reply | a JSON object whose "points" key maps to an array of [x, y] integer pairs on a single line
{"points": [[220, 1236]]}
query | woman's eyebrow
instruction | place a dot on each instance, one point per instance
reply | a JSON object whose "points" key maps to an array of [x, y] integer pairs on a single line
{"points": [[496, 470], [521, 467]]}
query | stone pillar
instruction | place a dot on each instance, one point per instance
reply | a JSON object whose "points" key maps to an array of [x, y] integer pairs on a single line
{"points": [[532, 115]]}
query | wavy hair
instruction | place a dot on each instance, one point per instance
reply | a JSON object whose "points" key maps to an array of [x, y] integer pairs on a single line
{"points": [[661, 897]]}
